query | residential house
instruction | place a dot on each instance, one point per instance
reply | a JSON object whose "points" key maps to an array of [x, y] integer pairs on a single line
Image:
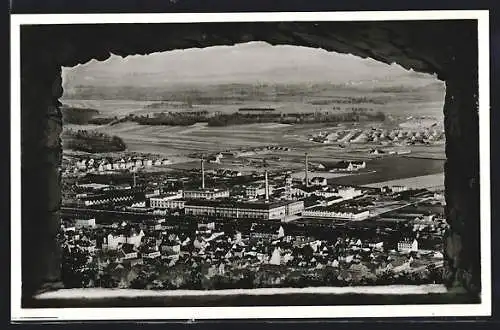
{"points": [[128, 251], [85, 223], [408, 245], [318, 181]]}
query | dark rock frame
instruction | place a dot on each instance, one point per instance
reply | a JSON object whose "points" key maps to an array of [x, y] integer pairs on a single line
{"points": [[446, 48]]}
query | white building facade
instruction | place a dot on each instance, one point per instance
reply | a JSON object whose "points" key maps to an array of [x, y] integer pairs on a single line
{"points": [[206, 194], [325, 213], [408, 246]]}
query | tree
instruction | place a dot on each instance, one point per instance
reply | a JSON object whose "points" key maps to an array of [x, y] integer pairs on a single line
{"points": [[435, 274], [140, 282], [331, 278], [247, 281], [76, 271], [385, 277], [195, 278], [107, 281]]}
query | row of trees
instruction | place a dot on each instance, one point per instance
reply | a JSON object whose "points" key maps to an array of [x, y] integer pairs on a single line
{"points": [[169, 120], [353, 116], [102, 120], [93, 142], [359, 100]]}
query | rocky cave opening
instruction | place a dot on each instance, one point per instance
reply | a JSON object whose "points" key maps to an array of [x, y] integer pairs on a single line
{"points": [[445, 48]]}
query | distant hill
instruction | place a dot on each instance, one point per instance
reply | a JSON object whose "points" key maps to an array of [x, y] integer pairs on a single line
{"points": [[237, 93], [255, 67]]}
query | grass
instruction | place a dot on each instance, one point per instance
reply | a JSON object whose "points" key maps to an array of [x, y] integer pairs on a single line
{"points": [[394, 168]]}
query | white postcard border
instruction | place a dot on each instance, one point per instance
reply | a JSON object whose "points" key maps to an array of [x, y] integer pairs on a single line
{"points": [[285, 312]]}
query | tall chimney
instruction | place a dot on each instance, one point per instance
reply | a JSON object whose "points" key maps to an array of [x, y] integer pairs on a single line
{"points": [[202, 173], [306, 170], [267, 187]]}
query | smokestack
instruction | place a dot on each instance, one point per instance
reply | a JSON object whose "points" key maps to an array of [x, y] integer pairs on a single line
{"points": [[288, 187], [267, 187], [306, 170], [202, 173]]}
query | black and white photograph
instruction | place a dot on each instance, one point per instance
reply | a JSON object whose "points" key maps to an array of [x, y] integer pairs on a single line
{"points": [[270, 165]]}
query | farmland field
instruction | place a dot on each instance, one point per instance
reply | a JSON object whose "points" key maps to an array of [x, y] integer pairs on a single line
{"points": [[427, 102], [397, 168], [181, 142], [198, 138], [418, 182]]}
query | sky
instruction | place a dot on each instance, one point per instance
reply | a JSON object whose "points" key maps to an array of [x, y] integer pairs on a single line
{"points": [[254, 62]]}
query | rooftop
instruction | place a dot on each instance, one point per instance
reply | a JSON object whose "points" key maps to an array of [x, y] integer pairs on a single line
{"points": [[260, 204], [205, 190], [334, 208]]}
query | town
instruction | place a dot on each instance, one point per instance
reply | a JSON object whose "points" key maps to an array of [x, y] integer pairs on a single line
{"points": [[137, 221]]}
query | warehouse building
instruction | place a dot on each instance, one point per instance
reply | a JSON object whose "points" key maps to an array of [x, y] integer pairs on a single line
{"points": [[171, 201], [336, 213], [236, 209], [206, 194]]}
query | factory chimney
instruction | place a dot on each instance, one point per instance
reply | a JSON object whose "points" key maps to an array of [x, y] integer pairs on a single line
{"points": [[306, 170], [288, 187], [267, 187], [202, 173]]}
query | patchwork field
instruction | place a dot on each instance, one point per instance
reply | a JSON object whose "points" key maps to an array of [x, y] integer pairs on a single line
{"points": [[200, 138], [180, 142]]}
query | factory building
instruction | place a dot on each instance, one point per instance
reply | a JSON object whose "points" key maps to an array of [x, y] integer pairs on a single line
{"points": [[325, 212], [257, 190], [85, 223], [236, 209], [294, 207], [203, 192], [206, 194], [116, 196], [171, 201]]}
